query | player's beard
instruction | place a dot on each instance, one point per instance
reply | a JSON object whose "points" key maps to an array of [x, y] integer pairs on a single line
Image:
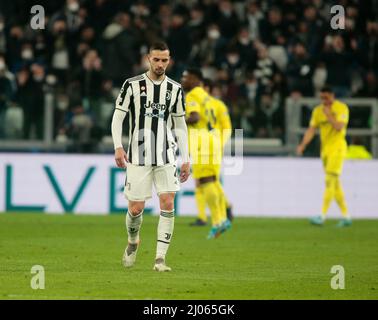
{"points": [[158, 72]]}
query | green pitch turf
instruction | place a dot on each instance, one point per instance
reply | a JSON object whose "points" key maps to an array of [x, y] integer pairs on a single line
{"points": [[257, 259]]}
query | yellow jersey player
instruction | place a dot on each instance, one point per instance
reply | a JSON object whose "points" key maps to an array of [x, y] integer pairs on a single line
{"points": [[205, 150], [219, 118], [331, 117]]}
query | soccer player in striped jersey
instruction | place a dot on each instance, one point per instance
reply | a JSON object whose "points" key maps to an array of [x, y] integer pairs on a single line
{"points": [[155, 104], [331, 117]]}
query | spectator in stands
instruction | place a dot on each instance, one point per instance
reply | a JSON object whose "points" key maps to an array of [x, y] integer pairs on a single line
{"points": [[210, 50], [60, 50], [339, 63], [227, 19], [179, 40], [245, 47], [7, 91], [14, 43], [120, 54], [315, 27], [249, 92], [370, 86], [300, 71], [41, 47], [268, 119], [13, 122], [90, 77], [273, 30], [320, 77], [291, 11], [78, 128], [30, 97], [3, 38], [265, 67], [254, 16], [100, 12], [234, 65], [253, 49], [369, 47], [196, 24], [70, 14]]}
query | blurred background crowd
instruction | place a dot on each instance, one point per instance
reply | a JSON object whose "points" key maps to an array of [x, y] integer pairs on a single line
{"points": [[257, 53]]}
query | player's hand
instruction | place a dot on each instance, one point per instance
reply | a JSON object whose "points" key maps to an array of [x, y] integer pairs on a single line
{"points": [[300, 149], [120, 158], [184, 172]]}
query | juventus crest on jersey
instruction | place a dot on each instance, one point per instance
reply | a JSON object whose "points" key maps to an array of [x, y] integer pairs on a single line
{"points": [[151, 106]]}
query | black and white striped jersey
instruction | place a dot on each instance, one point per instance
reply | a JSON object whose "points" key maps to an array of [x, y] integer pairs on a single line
{"points": [[151, 106]]}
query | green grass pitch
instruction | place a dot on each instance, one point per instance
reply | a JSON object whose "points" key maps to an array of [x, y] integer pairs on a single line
{"points": [[257, 259]]}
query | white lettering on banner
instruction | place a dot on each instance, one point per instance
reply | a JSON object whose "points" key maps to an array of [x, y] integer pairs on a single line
{"points": [[91, 184]]}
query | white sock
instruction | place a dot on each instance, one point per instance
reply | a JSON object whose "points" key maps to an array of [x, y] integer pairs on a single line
{"points": [[164, 233], [133, 224]]}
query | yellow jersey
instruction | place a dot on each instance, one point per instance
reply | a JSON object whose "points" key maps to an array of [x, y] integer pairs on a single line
{"points": [[195, 101], [331, 139], [219, 118], [358, 152], [203, 138]]}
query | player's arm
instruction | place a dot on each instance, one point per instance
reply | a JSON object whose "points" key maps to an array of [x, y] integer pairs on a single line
{"points": [[120, 111], [338, 122], [181, 133], [309, 134], [225, 124], [193, 109], [193, 118], [307, 138]]}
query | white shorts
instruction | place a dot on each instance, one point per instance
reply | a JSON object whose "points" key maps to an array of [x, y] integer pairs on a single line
{"points": [[139, 180]]}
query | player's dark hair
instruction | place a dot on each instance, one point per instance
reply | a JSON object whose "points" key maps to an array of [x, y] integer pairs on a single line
{"points": [[195, 72], [326, 89], [208, 83], [158, 45]]}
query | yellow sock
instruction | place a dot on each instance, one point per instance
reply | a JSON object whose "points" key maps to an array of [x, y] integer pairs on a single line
{"points": [[329, 193], [201, 203], [340, 199], [222, 198], [211, 193]]}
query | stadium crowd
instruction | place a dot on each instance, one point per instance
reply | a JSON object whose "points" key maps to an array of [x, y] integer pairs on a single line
{"points": [[256, 52]]}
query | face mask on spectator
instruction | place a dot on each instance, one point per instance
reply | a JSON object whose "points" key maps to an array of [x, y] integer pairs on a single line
{"points": [[62, 104], [244, 40], [73, 6], [213, 34], [233, 59], [51, 79], [38, 78], [226, 12], [40, 46], [27, 54]]}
